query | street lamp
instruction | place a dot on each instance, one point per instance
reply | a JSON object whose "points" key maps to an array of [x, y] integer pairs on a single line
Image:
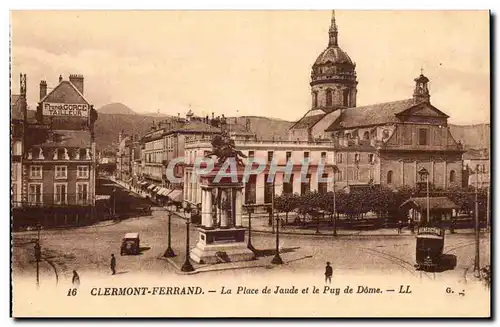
{"points": [[425, 174], [335, 171], [114, 202], [187, 266], [169, 253], [476, 207], [250, 245], [277, 259], [38, 254]]}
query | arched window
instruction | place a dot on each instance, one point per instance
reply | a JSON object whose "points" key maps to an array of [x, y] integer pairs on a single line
{"points": [[452, 176], [315, 99], [389, 177], [329, 98], [346, 98], [366, 135]]}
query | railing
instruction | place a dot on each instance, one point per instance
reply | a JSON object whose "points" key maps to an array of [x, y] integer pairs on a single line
{"points": [[51, 199]]}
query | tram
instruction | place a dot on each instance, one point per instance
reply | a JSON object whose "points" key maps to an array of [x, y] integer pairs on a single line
{"points": [[429, 247]]}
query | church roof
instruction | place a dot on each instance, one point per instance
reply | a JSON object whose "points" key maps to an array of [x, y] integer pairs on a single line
{"points": [[308, 121], [334, 55], [376, 114], [15, 107]]}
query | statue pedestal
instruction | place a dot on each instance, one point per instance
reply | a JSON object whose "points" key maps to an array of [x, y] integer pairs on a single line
{"points": [[221, 245]]}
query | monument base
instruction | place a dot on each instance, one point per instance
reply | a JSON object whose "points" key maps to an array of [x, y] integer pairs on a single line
{"points": [[221, 245]]}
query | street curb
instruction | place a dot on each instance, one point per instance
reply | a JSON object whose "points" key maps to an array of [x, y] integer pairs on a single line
{"points": [[203, 269], [347, 235]]}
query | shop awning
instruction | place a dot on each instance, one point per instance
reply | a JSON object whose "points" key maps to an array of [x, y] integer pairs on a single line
{"points": [[164, 191], [102, 197], [176, 196], [150, 187]]}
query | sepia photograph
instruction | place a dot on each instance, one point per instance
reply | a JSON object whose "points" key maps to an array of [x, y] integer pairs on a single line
{"points": [[271, 163]]}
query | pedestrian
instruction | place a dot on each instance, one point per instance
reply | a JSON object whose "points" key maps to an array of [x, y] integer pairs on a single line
{"points": [[76, 279], [328, 273], [113, 264], [400, 226]]}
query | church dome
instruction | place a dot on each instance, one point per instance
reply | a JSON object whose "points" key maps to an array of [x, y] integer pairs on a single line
{"points": [[333, 55]]}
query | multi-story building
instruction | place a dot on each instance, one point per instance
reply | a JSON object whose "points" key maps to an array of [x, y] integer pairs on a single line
{"points": [[476, 169], [58, 167], [17, 123], [166, 142]]}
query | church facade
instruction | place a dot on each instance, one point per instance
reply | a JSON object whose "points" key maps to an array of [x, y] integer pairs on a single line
{"points": [[398, 143]]}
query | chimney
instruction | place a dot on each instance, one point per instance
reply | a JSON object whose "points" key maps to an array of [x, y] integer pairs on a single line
{"points": [[43, 89], [77, 81], [60, 78], [213, 116]]}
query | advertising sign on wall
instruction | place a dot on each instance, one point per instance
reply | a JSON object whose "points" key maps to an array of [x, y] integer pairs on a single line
{"points": [[65, 109]]}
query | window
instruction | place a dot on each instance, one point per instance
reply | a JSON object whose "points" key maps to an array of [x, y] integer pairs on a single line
{"points": [[251, 190], [340, 175], [356, 157], [356, 174], [371, 158], [329, 98], [270, 156], [288, 186], [305, 186], [13, 172], [422, 136], [251, 154], [288, 155], [61, 172], [315, 99], [346, 98], [323, 157], [82, 193], [322, 186], [483, 168], [268, 190], [389, 177], [407, 135], [35, 193], [306, 155], [61, 193], [339, 158], [36, 172], [366, 135], [82, 172], [452, 176]]}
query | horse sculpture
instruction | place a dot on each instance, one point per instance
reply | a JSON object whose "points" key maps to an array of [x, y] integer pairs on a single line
{"points": [[223, 148]]}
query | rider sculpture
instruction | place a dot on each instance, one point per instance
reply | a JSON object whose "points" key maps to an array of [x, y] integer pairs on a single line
{"points": [[223, 147]]}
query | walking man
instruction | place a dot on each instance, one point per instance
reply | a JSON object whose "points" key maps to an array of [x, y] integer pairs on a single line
{"points": [[113, 264], [400, 226], [328, 273]]}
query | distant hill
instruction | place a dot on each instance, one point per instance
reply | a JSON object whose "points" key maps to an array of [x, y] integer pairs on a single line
{"points": [[116, 108], [265, 128]]}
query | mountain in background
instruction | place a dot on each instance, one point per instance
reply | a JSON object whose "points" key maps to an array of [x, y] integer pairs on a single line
{"points": [[116, 108]]}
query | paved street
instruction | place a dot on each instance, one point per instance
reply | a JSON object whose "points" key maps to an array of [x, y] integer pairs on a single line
{"points": [[88, 249]]}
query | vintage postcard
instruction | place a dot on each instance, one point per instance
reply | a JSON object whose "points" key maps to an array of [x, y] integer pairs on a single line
{"points": [[250, 163]]}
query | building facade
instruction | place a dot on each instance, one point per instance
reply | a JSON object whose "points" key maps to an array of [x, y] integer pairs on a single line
{"points": [[58, 156]]}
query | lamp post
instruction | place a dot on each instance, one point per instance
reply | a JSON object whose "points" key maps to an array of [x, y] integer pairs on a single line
{"points": [[425, 174], [277, 259], [38, 254], [114, 202], [187, 266], [250, 245], [335, 170], [476, 211], [169, 253]]}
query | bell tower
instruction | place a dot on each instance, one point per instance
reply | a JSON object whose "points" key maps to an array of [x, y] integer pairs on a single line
{"points": [[421, 92]]}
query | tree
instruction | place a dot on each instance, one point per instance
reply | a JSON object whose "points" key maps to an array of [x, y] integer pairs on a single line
{"points": [[286, 203]]}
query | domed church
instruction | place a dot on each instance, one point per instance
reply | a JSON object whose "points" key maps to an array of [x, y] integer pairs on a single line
{"points": [[385, 143]]}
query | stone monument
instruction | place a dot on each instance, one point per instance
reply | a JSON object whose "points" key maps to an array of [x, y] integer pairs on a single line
{"points": [[221, 234]]}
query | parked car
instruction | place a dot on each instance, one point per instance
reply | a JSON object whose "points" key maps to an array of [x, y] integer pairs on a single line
{"points": [[130, 244]]}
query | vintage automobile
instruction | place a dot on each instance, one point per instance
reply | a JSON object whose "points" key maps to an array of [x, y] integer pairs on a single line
{"points": [[130, 244], [429, 247]]}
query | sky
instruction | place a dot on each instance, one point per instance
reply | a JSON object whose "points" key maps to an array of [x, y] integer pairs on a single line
{"points": [[253, 62]]}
